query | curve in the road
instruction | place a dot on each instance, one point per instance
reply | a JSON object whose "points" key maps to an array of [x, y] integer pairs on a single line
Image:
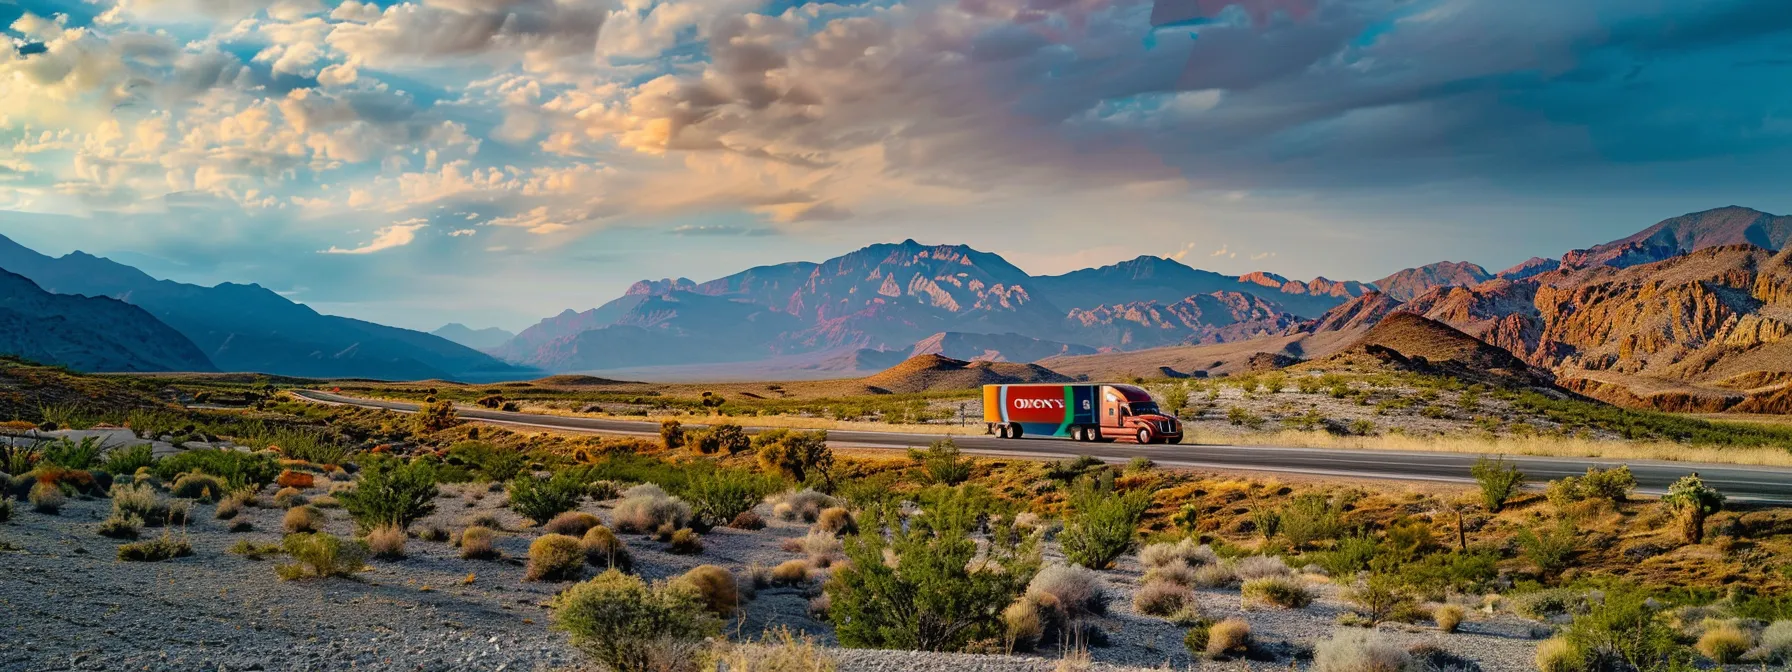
{"points": [[1748, 483]]}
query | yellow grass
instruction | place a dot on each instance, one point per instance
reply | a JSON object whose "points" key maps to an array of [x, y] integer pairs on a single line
{"points": [[780, 421], [1543, 446]]}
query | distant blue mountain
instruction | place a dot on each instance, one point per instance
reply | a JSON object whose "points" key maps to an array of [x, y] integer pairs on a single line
{"points": [[249, 328], [89, 333]]}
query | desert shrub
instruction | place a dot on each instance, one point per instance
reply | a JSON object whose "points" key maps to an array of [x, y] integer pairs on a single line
{"points": [[1544, 604], [747, 520], [685, 542], [603, 549], [1187, 551], [1499, 481], [139, 500], [120, 526], [1693, 501], [1725, 643], [627, 626], [1161, 598], [1261, 566], [836, 521], [715, 586], [433, 532], [1448, 617], [572, 523], [254, 551], [1359, 651], [540, 499], [672, 434], [1177, 572], [1312, 517], [1549, 548], [941, 463], [1776, 643], [1624, 632], [386, 542], [287, 498], [46, 498], [648, 511], [790, 573], [820, 547], [1285, 592], [1023, 625], [718, 496], [236, 467], [494, 462], [476, 544], [432, 418], [71, 454], [1382, 598], [796, 455], [1216, 576], [1197, 637], [936, 602], [127, 460], [779, 651], [1078, 592], [391, 492], [165, 547], [228, 509], [300, 519], [555, 557], [319, 555], [1101, 524], [6, 507], [1614, 484], [726, 438], [805, 504], [1557, 654], [1227, 637]]}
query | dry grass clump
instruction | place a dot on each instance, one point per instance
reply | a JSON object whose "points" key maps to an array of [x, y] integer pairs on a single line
{"points": [[228, 508], [1186, 551], [1557, 654], [642, 511], [779, 651], [203, 487], [1261, 566], [433, 532], [555, 557], [476, 544], [485, 520], [46, 498], [120, 526], [604, 550], [254, 551], [301, 519], [1359, 651], [1023, 623], [156, 550], [287, 498], [326, 502], [716, 586], [1228, 637], [747, 520], [1448, 617], [1776, 644], [1276, 591], [318, 555], [1176, 571], [386, 542], [1162, 598], [572, 523], [790, 573], [836, 521], [822, 548], [1075, 590], [805, 504], [1215, 576], [685, 542], [1725, 642]]}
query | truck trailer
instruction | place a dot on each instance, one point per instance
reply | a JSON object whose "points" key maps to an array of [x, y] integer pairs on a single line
{"points": [[1085, 412]]}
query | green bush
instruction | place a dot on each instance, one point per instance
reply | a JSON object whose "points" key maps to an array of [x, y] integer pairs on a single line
{"points": [[1694, 501], [672, 434], [203, 487], [555, 557], [717, 496], [155, 550], [1382, 598], [494, 462], [628, 626], [540, 499], [1626, 632], [1614, 484], [796, 455], [1279, 591], [726, 438], [941, 463], [432, 418], [1549, 548], [235, 467], [129, 459], [1499, 481], [70, 454], [391, 492], [321, 555], [1312, 517], [937, 601], [1101, 524]]}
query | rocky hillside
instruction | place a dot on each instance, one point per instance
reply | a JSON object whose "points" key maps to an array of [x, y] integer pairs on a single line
{"points": [[1008, 347], [89, 334], [1408, 342], [1203, 318], [477, 339], [1412, 282], [1731, 225], [923, 373]]}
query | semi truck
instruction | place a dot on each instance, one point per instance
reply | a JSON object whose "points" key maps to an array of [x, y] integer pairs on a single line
{"points": [[1084, 412]]}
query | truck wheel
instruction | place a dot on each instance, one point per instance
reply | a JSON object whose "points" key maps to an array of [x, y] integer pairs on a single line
{"points": [[1144, 436], [1015, 432], [1001, 431]]}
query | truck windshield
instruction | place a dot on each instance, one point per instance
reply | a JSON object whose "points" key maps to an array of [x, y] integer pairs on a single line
{"points": [[1145, 408]]}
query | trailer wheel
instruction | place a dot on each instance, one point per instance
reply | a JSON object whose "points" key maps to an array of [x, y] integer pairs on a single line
{"points": [[1082, 434], [1015, 432], [1001, 431], [1144, 436]]}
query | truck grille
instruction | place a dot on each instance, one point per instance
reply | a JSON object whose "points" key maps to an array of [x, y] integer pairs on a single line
{"points": [[1167, 426]]}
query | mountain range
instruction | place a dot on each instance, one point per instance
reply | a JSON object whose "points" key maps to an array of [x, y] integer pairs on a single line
{"points": [[233, 327]]}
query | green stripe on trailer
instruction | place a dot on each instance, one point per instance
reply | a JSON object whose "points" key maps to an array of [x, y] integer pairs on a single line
{"points": [[1069, 412]]}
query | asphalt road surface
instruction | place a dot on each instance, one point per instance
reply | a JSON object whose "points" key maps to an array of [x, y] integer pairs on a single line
{"points": [[1760, 484]]}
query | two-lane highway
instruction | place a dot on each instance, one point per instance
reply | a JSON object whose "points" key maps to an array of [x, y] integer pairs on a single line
{"points": [[1762, 484]]}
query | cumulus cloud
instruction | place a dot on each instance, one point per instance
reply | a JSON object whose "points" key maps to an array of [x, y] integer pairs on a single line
{"points": [[396, 235]]}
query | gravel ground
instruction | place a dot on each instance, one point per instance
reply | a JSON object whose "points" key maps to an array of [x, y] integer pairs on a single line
{"points": [[66, 603]]}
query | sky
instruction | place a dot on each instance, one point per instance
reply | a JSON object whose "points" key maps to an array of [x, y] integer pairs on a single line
{"points": [[493, 162]]}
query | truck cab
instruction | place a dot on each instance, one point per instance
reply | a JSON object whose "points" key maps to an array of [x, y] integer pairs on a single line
{"points": [[1128, 411]]}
